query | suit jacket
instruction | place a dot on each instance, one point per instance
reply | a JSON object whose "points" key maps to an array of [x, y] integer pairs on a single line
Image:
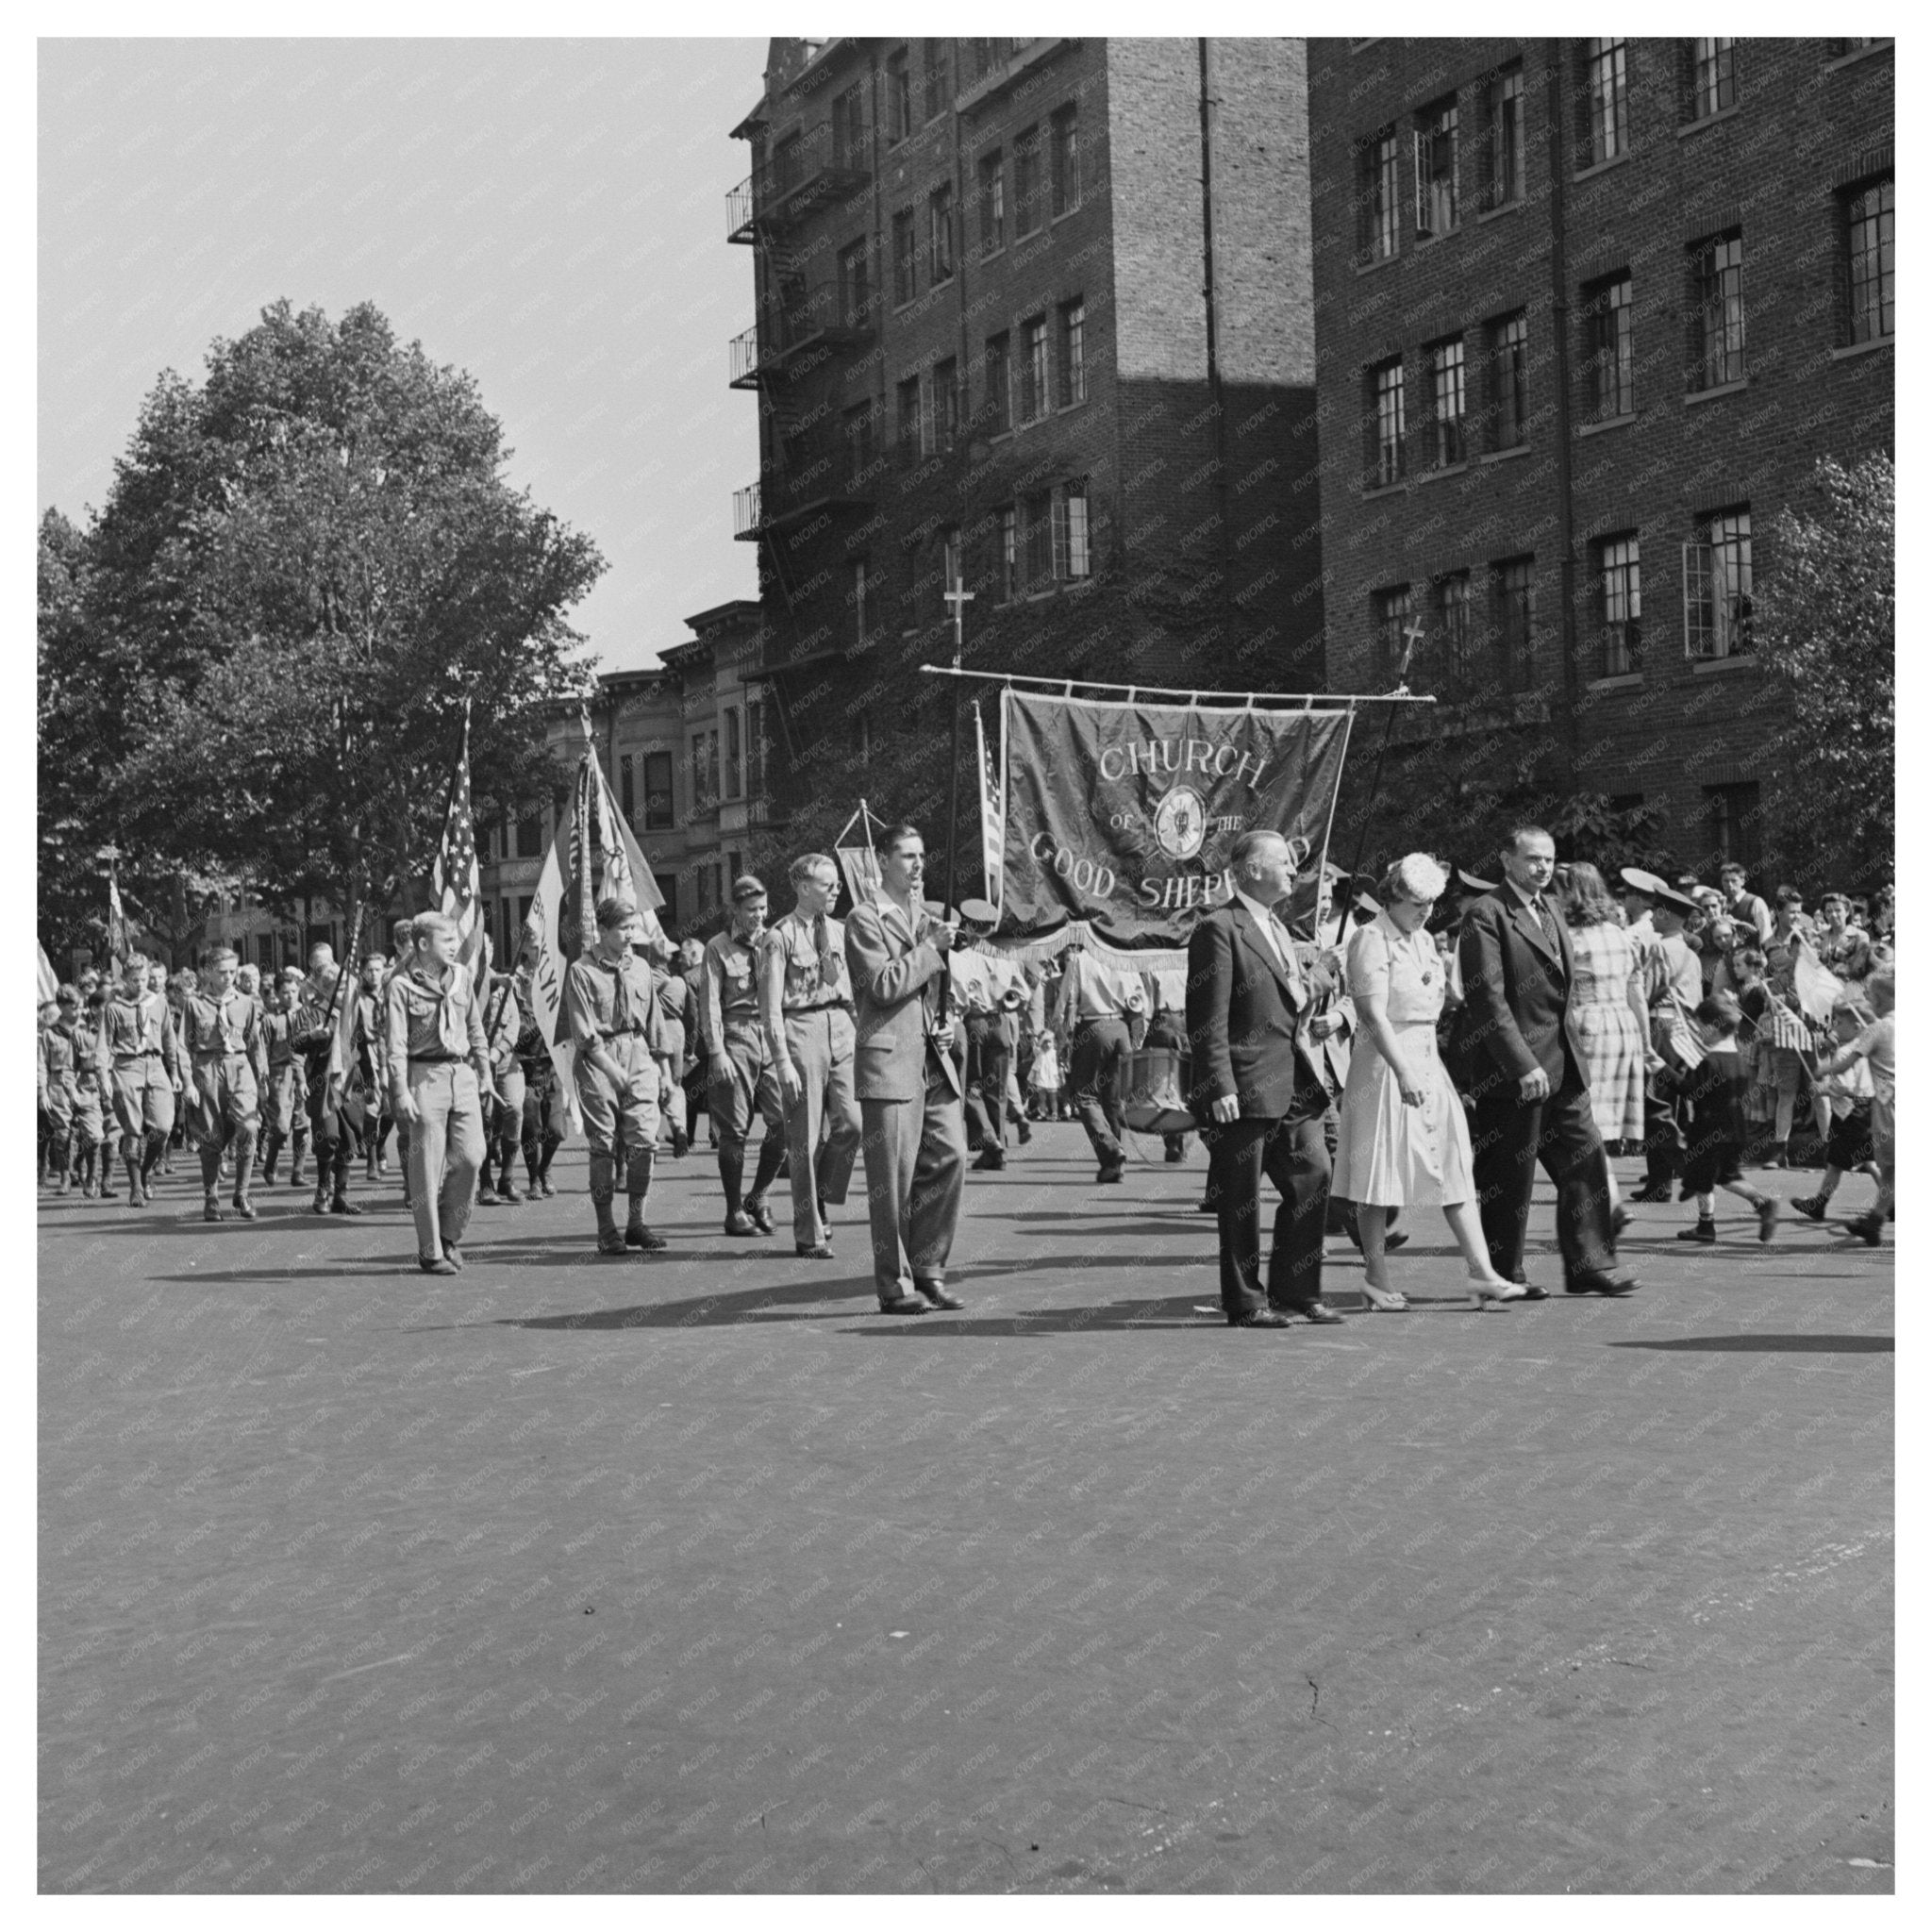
{"points": [[897, 987], [1516, 984], [1246, 1018]]}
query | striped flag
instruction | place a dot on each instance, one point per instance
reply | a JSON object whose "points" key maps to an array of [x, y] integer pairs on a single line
{"points": [[992, 798], [455, 879], [44, 971], [120, 940], [543, 945]]}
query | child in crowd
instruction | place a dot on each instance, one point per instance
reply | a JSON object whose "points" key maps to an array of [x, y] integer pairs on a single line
{"points": [[1876, 1046], [1715, 1090], [1847, 1096]]}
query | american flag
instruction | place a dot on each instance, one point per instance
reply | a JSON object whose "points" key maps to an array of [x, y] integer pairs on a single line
{"points": [[992, 816], [455, 879]]}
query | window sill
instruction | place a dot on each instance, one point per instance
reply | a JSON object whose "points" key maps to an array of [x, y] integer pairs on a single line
{"points": [[1738, 661], [1723, 388], [992, 253], [1068, 409], [1372, 491], [1425, 236], [1858, 54], [1511, 206], [1504, 456], [1065, 214], [1691, 127], [1381, 262], [1621, 680], [1596, 168], [1855, 349], [1443, 470], [1608, 423]]}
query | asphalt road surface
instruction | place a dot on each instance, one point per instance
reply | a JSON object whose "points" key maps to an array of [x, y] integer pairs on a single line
{"points": [[696, 1574]]}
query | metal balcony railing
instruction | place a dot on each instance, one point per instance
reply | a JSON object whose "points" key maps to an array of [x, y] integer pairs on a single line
{"points": [[745, 513], [804, 319], [744, 358], [803, 175]]}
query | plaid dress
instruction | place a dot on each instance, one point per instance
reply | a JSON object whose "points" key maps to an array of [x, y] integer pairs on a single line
{"points": [[1606, 960]]}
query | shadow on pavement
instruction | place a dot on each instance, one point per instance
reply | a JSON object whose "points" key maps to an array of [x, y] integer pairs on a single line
{"points": [[1771, 1345], [712, 1310]]}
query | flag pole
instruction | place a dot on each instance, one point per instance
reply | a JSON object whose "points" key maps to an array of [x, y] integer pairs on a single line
{"points": [[1411, 638], [958, 597]]}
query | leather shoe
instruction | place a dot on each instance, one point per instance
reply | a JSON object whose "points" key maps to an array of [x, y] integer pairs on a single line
{"points": [[1653, 1193], [1619, 1220], [1600, 1281], [905, 1305], [1322, 1317], [938, 1295], [1109, 1177], [1257, 1318], [637, 1235], [991, 1161], [741, 1223], [1208, 1208], [821, 1252], [1392, 1242], [435, 1264], [760, 1216]]}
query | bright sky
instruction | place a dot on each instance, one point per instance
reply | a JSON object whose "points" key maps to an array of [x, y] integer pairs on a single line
{"points": [[548, 215]]}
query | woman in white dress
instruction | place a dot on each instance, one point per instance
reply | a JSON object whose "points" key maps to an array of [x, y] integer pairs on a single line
{"points": [[1403, 1142]]}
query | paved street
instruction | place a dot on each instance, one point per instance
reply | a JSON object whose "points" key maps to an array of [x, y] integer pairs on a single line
{"points": [[696, 1574]]}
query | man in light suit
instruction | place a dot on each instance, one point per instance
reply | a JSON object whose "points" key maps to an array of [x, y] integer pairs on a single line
{"points": [[1259, 1092], [909, 1094], [1528, 1075]]}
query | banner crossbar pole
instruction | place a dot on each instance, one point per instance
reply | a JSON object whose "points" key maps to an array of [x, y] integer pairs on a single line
{"points": [[1307, 700]]}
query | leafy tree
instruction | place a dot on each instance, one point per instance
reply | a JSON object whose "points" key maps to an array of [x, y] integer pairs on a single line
{"points": [[1823, 619], [304, 568]]}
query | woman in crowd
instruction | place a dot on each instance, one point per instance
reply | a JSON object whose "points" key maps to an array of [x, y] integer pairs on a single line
{"points": [[1403, 1142], [1606, 1001]]}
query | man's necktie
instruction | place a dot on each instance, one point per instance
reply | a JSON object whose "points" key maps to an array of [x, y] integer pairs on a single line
{"points": [[1543, 919], [826, 966]]}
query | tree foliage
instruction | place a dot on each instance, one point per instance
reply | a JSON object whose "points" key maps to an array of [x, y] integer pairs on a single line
{"points": [[264, 641], [1823, 619]]}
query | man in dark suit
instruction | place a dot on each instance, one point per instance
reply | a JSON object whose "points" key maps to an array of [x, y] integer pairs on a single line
{"points": [[1526, 1074], [1258, 1091]]}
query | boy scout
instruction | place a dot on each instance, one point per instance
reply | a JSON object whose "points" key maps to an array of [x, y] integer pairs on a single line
{"points": [[503, 1125], [140, 1050], [806, 1000], [438, 1072], [312, 1033], [741, 1076], [285, 1119], [610, 1014], [227, 1058]]}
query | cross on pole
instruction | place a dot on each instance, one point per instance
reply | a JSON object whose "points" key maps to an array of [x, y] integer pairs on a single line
{"points": [[958, 597], [1411, 637]]}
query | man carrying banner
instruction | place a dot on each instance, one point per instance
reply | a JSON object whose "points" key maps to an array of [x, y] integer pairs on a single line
{"points": [[806, 999], [227, 1057], [1098, 1005], [610, 1014], [139, 1048], [313, 1033], [438, 1072], [743, 1080], [1258, 1091], [908, 1080], [503, 1123]]}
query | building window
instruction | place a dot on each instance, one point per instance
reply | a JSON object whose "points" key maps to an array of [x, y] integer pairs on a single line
{"points": [[734, 754], [1713, 84], [1448, 403], [754, 748], [1452, 613], [860, 449], [1005, 539], [945, 403], [626, 788], [667, 891], [1066, 161], [939, 206], [848, 128], [1033, 390], [1039, 509], [1509, 381], [1717, 273], [1510, 601], [1609, 350], [898, 96], [1605, 103], [1378, 231], [1434, 141], [1619, 604], [1072, 559], [1736, 824], [909, 439], [939, 77], [862, 599], [530, 836], [1869, 260], [950, 564], [1502, 149], [787, 165], [905, 257], [1026, 182], [997, 407], [855, 285], [1389, 612], [1717, 587], [660, 806], [1387, 430], [1839, 50], [993, 203], [1072, 352]]}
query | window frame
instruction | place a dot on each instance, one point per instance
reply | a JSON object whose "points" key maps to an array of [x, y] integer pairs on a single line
{"points": [[655, 818], [940, 259], [905, 257], [1035, 373], [1027, 182], [898, 96], [945, 403], [1390, 609], [1071, 348], [1718, 562], [1381, 472], [909, 430], [1717, 311], [1604, 102], [1509, 362], [1619, 600], [1447, 357], [1433, 142], [1711, 74], [997, 363], [1610, 345], [1063, 161], [1884, 221], [1515, 650], [993, 203], [1503, 145]]}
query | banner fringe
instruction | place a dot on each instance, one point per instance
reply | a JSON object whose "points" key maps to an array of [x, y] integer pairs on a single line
{"points": [[1080, 933]]}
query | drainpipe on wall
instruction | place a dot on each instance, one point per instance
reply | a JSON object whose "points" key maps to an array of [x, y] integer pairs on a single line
{"points": [[1560, 323], [1209, 102]]}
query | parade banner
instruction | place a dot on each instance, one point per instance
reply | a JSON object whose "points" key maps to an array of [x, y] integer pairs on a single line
{"points": [[859, 863], [1119, 817], [48, 979], [991, 805], [549, 960]]}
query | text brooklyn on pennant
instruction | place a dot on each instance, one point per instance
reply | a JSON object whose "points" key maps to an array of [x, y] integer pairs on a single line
{"points": [[1119, 817]]}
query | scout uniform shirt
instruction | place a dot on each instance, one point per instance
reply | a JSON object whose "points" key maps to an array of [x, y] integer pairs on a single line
{"points": [[802, 967], [427, 1020], [132, 1029], [730, 996], [1091, 991], [605, 1000], [221, 1028]]}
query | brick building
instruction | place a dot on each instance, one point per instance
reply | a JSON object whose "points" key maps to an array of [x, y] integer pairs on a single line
{"points": [[1036, 312], [1587, 314]]}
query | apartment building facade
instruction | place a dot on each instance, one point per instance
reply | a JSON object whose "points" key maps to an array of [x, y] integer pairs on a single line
{"points": [[1033, 317], [1587, 312]]}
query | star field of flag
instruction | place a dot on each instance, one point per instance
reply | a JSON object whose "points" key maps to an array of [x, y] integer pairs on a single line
{"points": [[455, 879]]}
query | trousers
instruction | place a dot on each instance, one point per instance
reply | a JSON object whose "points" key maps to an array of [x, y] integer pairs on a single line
{"points": [[823, 1127], [988, 1063], [1510, 1139], [1293, 1152], [143, 1100], [1100, 1056], [915, 1176], [445, 1150]]}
